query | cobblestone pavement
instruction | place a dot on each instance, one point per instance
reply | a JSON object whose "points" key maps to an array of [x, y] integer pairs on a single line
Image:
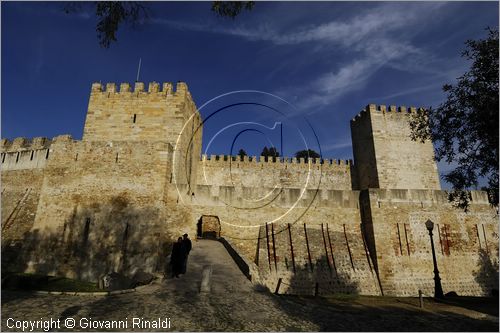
{"points": [[234, 305]]}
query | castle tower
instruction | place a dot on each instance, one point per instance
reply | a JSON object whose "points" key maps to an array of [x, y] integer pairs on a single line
{"points": [[384, 154], [138, 115], [162, 115]]}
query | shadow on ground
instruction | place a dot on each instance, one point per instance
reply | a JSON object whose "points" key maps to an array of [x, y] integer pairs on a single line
{"points": [[382, 314], [234, 305]]}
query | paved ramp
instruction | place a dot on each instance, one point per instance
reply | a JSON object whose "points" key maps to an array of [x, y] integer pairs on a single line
{"points": [[226, 275]]}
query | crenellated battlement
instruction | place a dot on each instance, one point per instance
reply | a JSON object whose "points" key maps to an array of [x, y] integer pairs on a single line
{"points": [[36, 143], [253, 161], [62, 138], [126, 89], [22, 144], [392, 109], [23, 153], [256, 171]]}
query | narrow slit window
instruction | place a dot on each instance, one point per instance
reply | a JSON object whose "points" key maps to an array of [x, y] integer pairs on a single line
{"points": [[135, 118], [17, 157], [3, 157], [47, 155], [31, 157]]}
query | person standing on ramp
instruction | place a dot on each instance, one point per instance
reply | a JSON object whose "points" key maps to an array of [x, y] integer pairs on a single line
{"points": [[187, 247], [178, 257]]}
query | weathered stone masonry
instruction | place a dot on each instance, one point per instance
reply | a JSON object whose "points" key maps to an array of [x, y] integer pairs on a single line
{"points": [[116, 199]]}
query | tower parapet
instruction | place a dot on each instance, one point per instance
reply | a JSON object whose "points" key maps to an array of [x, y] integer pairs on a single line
{"points": [[167, 88], [383, 109]]}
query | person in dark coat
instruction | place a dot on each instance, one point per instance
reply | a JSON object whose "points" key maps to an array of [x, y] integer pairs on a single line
{"points": [[187, 246], [178, 257]]}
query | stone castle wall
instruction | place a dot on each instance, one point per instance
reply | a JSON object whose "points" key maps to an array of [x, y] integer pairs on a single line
{"points": [[466, 243], [285, 172], [136, 181], [85, 208], [100, 208], [244, 224], [376, 231], [241, 217], [22, 163], [316, 258]]}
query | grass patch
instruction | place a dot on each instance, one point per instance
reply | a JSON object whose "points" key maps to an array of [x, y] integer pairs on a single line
{"points": [[26, 281]]}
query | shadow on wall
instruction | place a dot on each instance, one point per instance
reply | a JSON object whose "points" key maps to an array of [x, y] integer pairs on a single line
{"points": [[318, 279], [98, 238], [313, 260], [487, 274]]}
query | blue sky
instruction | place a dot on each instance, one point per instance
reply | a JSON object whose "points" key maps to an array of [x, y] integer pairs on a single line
{"points": [[327, 59]]}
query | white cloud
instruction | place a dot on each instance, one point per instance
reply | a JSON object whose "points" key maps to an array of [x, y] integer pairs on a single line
{"points": [[335, 145], [362, 27], [355, 74], [436, 86], [374, 38]]}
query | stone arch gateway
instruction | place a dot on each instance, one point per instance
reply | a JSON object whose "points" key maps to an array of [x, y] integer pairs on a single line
{"points": [[208, 226]]}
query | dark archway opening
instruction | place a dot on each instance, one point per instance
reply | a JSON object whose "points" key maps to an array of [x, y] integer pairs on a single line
{"points": [[208, 226], [199, 232]]}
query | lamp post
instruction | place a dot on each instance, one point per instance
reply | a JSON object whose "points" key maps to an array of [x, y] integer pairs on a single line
{"points": [[438, 290]]}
